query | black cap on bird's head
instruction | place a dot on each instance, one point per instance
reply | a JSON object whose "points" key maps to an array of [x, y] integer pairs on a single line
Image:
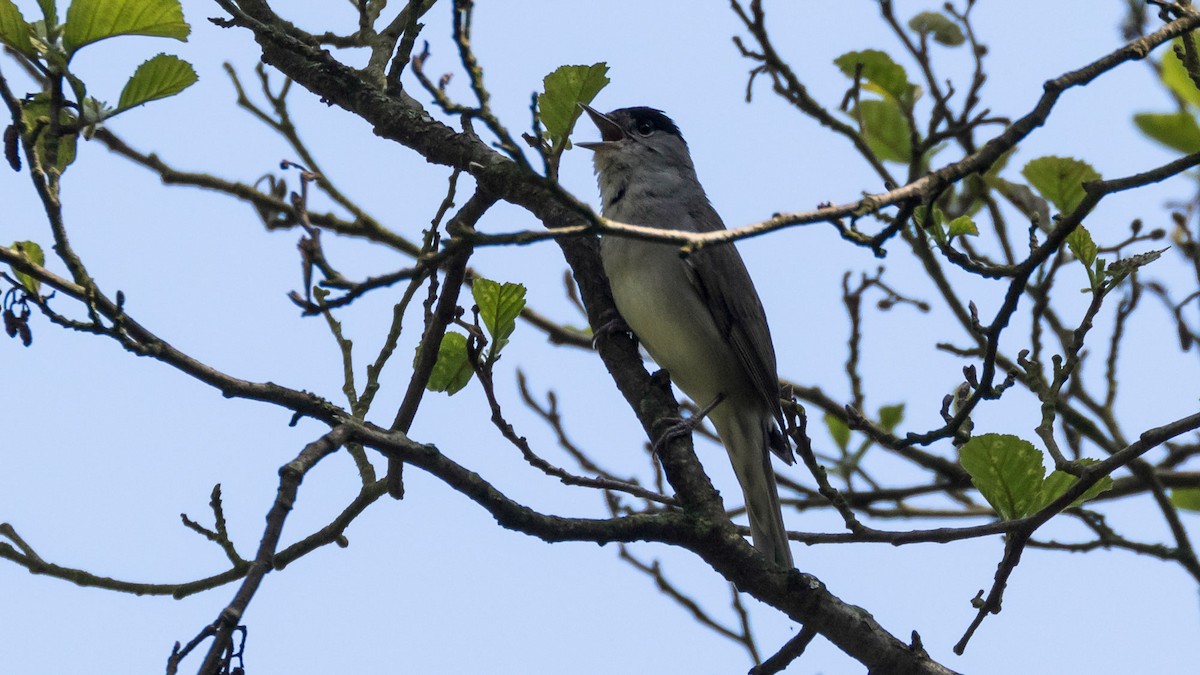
{"points": [[626, 123]]}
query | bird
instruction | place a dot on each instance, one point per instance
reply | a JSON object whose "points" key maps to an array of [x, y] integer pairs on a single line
{"points": [[699, 316]]}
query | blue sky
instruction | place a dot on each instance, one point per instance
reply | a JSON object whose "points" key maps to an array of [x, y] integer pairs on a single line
{"points": [[102, 451]]}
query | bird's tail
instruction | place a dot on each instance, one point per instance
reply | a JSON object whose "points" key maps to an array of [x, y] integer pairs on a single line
{"points": [[745, 437]]}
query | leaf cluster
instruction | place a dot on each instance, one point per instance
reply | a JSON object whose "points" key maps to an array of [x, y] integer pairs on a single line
{"points": [[50, 47], [498, 306]]}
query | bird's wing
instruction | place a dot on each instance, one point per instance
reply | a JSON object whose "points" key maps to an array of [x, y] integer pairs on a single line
{"points": [[723, 282]]}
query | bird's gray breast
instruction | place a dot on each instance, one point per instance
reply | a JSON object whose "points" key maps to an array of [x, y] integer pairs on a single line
{"points": [[656, 294]]}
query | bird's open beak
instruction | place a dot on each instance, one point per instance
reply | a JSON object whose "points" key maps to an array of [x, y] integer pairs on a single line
{"points": [[610, 131]]}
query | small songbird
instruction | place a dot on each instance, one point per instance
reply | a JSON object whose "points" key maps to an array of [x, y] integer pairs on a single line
{"points": [[698, 316]]}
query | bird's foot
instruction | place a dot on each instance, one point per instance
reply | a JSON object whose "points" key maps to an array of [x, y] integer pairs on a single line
{"points": [[612, 324], [678, 427]]}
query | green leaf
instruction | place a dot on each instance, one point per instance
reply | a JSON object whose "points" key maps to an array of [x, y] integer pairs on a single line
{"points": [[1054, 485], [890, 416], [939, 27], [499, 305], [91, 20], [1081, 244], [49, 11], [885, 129], [962, 226], [33, 253], [838, 431], [1007, 471], [162, 76], [563, 91], [1060, 180], [453, 370], [1103, 485], [881, 74], [1177, 131], [1186, 498], [36, 115], [79, 88], [935, 224], [14, 31], [921, 213], [1175, 76], [1059, 481]]}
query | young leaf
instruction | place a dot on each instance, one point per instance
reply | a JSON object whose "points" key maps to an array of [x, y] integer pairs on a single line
{"points": [[33, 253], [1060, 180], [1103, 485], [452, 371], [162, 76], [49, 12], [36, 113], [1058, 482], [890, 417], [962, 226], [1186, 498], [1177, 131], [563, 91], [91, 20], [921, 214], [838, 431], [932, 220], [939, 27], [14, 31], [880, 74], [1081, 244], [1054, 485], [499, 305], [1007, 471], [885, 130], [1175, 76]]}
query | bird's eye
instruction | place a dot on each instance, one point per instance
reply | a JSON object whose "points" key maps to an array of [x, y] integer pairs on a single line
{"points": [[645, 127]]}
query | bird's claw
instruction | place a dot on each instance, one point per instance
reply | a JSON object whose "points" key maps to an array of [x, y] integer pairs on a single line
{"points": [[612, 324], [678, 427]]}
